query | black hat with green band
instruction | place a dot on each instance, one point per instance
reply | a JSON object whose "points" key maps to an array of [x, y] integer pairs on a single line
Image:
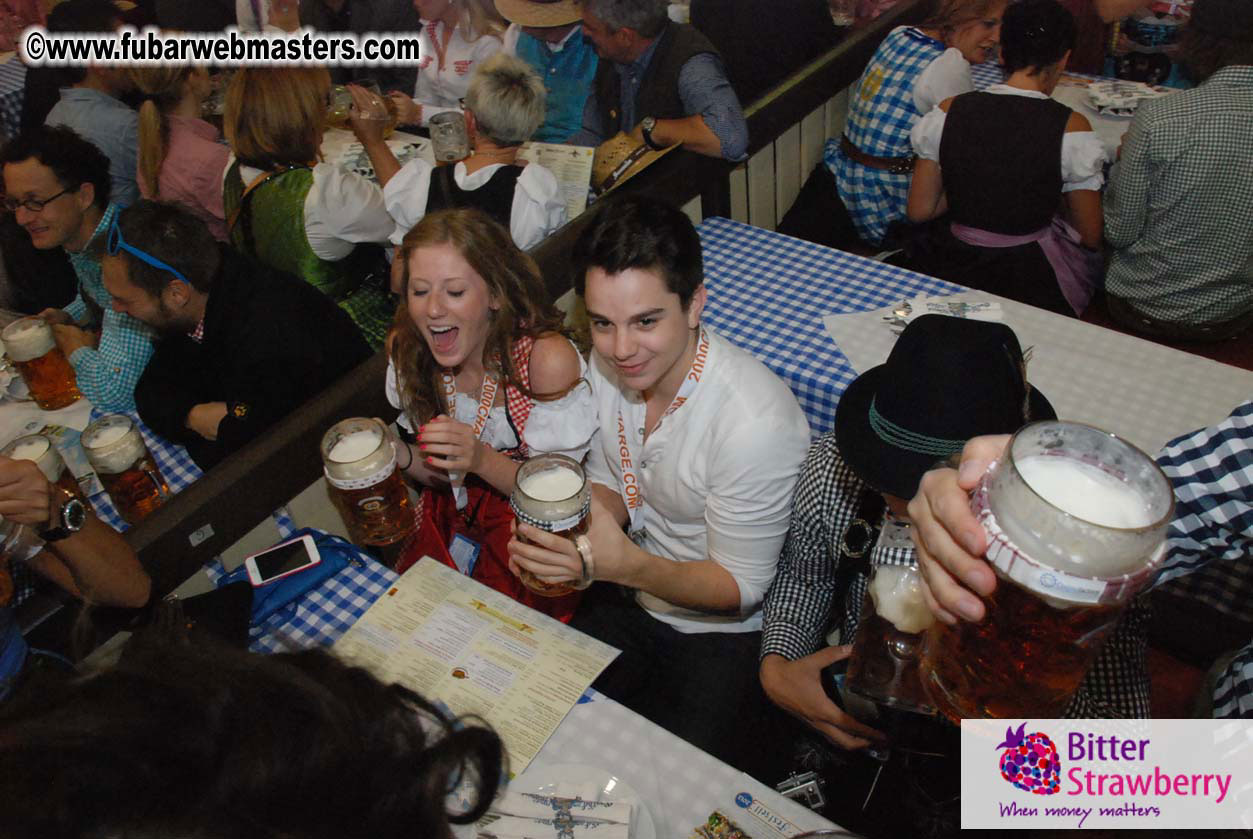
{"points": [[946, 380]]}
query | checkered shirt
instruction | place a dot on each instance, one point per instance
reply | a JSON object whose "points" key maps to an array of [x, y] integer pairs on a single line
{"points": [[1178, 209], [881, 114], [800, 603], [12, 92], [107, 374]]}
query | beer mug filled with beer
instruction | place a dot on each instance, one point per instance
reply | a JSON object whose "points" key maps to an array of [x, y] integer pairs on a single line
{"points": [[552, 494], [359, 461], [883, 666], [38, 448], [1075, 519], [43, 366], [116, 450]]}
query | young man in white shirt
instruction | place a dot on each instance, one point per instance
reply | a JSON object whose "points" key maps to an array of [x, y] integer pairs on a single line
{"points": [[697, 456]]}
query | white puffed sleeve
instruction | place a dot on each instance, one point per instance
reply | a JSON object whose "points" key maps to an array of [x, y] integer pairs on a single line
{"points": [[392, 390], [405, 196], [948, 75], [538, 207], [926, 135], [565, 425], [1083, 161]]}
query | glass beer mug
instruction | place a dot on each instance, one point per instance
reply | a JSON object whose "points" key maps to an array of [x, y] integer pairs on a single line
{"points": [[1075, 519], [449, 139], [552, 494], [116, 450], [38, 448], [359, 461], [887, 649], [43, 366]]}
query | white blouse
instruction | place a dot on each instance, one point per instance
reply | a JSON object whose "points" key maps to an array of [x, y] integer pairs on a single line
{"points": [[442, 86], [948, 75], [562, 426], [538, 206], [1083, 154], [341, 210]]}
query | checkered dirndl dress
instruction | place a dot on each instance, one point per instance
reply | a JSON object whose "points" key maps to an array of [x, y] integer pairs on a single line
{"points": [[880, 116], [487, 517]]}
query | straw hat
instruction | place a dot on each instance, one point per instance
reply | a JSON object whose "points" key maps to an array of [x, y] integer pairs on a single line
{"points": [[539, 13], [620, 158]]}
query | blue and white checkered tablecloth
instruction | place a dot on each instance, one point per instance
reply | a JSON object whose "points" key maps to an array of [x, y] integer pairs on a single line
{"points": [[986, 74], [12, 92], [322, 615], [175, 464], [768, 294]]}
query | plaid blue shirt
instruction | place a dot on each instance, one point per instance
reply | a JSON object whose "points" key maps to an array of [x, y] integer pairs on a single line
{"points": [[1210, 542], [108, 373]]}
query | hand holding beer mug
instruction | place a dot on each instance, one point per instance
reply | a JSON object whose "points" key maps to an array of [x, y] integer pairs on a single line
{"points": [[1074, 519], [40, 450], [359, 461], [116, 450], [34, 352], [552, 495]]}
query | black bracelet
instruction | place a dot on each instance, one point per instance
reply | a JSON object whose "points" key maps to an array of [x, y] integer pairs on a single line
{"points": [[410, 463]]}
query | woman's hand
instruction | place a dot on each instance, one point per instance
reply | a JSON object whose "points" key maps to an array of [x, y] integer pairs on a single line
{"points": [[368, 115], [408, 112], [447, 444], [949, 539]]}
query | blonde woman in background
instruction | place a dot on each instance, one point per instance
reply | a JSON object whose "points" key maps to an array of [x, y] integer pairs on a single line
{"points": [[181, 157], [294, 212], [457, 36]]}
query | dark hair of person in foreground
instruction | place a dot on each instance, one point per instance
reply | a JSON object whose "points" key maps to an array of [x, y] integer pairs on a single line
{"points": [[181, 741]]}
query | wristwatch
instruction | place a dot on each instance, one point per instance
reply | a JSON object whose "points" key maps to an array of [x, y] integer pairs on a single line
{"points": [[647, 125], [69, 518]]}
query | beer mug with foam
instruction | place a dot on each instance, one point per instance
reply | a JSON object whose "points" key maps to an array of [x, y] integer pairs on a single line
{"points": [[128, 472], [43, 366], [1075, 518], [359, 461], [38, 448], [887, 649], [551, 494]]}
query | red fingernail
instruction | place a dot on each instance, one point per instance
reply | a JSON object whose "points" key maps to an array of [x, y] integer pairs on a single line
{"points": [[422, 446], [430, 460]]}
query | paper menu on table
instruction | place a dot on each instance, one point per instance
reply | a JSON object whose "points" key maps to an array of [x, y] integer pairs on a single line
{"points": [[456, 641], [571, 164]]}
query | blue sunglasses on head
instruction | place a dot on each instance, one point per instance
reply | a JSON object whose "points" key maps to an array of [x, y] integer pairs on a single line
{"points": [[116, 244]]}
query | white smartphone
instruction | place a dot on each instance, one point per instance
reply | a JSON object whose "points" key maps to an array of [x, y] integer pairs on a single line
{"points": [[282, 560]]}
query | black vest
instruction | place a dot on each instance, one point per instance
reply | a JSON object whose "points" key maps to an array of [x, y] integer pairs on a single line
{"points": [[1001, 160], [659, 89], [494, 197]]}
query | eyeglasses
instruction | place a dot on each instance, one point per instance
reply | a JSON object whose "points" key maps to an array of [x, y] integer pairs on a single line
{"points": [[31, 205], [116, 243]]}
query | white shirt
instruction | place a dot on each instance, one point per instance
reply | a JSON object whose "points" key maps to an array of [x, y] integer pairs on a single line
{"points": [[1083, 153], [538, 206], [341, 210], [716, 476], [948, 75], [561, 426], [441, 87]]}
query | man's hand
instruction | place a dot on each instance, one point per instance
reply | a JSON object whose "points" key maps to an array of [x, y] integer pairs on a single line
{"points": [[554, 559], [56, 316], [71, 338], [408, 112], [447, 444], [205, 418], [950, 541], [26, 497], [796, 687]]}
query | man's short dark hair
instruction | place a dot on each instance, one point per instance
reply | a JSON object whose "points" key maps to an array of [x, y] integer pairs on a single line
{"points": [[173, 235], [646, 17], [1219, 34], [645, 233], [73, 160], [81, 16]]}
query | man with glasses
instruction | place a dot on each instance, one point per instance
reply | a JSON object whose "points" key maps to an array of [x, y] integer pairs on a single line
{"points": [[57, 186], [242, 345]]}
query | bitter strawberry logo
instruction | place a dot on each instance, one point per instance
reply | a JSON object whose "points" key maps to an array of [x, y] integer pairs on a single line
{"points": [[1030, 761]]}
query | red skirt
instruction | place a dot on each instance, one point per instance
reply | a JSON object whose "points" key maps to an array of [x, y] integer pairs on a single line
{"points": [[486, 520]]}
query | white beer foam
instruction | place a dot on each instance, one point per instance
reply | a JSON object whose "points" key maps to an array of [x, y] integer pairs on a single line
{"points": [[896, 592], [353, 447], [28, 339], [109, 450], [29, 449], [552, 485], [1085, 491]]}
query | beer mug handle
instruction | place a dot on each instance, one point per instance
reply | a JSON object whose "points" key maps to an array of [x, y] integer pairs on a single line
{"points": [[153, 476]]}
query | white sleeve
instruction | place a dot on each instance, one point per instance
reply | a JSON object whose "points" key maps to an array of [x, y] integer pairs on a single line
{"points": [[567, 425], [1083, 161], [753, 474], [405, 196], [926, 135], [600, 466], [392, 390], [948, 75], [511, 39], [538, 207], [244, 17], [342, 209]]}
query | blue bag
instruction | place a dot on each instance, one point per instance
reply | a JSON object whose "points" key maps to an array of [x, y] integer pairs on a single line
{"points": [[335, 554]]}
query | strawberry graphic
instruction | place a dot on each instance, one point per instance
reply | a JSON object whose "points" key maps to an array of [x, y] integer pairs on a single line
{"points": [[1030, 761]]}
